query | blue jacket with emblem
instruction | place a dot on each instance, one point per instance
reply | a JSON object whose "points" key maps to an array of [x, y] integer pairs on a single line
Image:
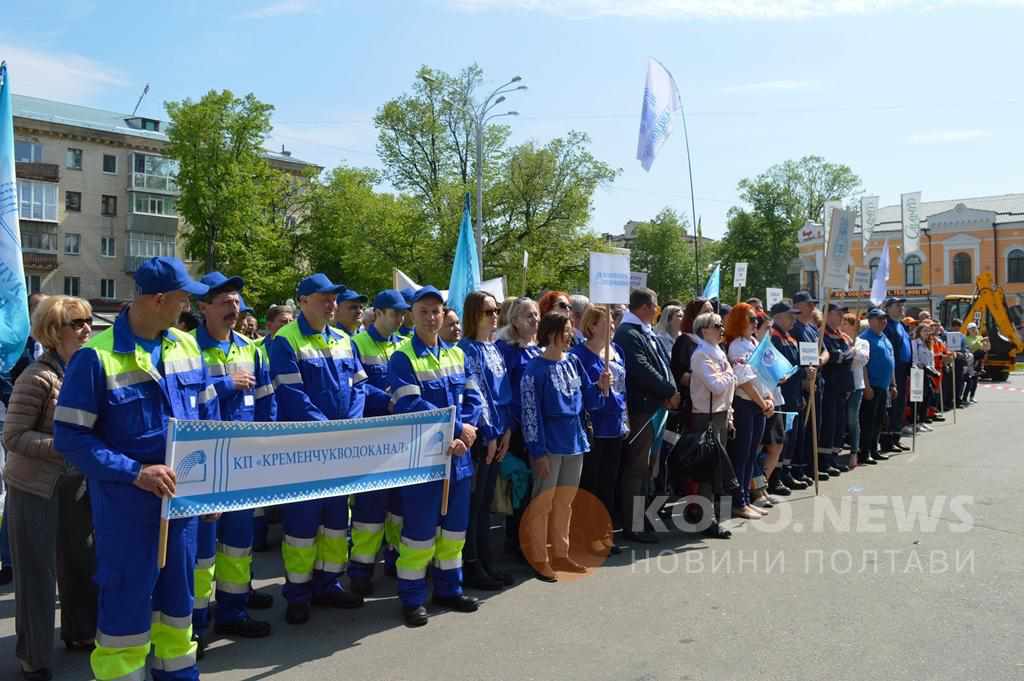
{"points": [[488, 384], [554, 395]]}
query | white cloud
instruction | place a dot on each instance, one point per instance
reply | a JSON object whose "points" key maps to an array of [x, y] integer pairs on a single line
{"points": [[767, 86], [720, 9], [281, 9], [53, 75], [948, 136]]}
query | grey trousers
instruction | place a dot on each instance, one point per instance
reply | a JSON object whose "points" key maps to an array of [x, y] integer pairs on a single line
{"points": [[550, 512], [52, 548]]}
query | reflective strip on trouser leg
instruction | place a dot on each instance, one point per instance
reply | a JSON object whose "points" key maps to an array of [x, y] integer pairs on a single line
{"points": [[366, 541], [393, 529], [234, 565], [206, 549], [369, 510], [331, 550], [299, 556], [120, 657], [173, 649], [420, 509]]}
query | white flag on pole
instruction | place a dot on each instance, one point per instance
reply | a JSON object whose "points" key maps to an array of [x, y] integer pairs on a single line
{"points": [[661, 100], [879, 286]]}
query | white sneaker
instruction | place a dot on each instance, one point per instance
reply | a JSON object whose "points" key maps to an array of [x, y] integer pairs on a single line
{"points": [[908, 430], [924, 428]]}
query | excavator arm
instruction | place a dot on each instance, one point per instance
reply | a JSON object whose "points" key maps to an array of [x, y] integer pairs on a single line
{"points": [[991, 310]]}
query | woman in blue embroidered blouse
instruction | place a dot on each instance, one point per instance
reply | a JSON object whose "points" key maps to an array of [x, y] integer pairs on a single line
{"points": [[517, 342], [554, 391], [609, 423], [485, 371]]}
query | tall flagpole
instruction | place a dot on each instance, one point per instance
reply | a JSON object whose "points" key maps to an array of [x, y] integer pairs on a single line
{"points": [[693, 203]]}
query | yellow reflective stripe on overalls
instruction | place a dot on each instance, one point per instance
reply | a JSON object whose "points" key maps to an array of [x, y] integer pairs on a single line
{"points": [[173, 648], [234, 569]]}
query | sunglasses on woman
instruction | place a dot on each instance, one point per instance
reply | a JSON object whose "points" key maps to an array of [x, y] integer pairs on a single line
{"points": [[493, 312], [77, 324], [562, 305]]}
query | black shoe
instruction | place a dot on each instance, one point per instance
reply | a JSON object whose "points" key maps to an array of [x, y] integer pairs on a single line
{"points": [[787, 479], [247, 628], [297, 613], [259, 601], [475, 577], [360, 585], [807, 479], [6, 577], [900, 447], [415, 617], [41, 674], [640, 537], [545, 574], [460, 603], [716, 531], [865, 459], [823, 476], [879, 456], [567, 565], [344, 600], [776, 486], [938, 417], [200, 640], [833, 471], [842, 468]]}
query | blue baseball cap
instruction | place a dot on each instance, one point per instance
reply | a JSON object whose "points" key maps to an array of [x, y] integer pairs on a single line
{"points": [[427, 292], [164, 274], [408, 293], [877, 313], [219, 283], [390, 299], [242, 307], [348, 294], [318, 283], [804, 297]]}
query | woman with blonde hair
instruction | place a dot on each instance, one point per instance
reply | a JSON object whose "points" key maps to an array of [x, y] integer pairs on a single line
{"points": [[47, 505]]}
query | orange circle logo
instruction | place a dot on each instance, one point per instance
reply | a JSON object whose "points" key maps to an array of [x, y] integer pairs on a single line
{"points": [[566, 531]]}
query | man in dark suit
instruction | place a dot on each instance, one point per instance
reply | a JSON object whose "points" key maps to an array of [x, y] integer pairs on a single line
{"points": [[649, 387]]}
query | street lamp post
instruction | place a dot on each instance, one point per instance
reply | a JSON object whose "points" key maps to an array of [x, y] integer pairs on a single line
{"points": [[481, 115]]}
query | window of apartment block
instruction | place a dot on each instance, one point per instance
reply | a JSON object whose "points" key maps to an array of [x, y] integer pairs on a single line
{"points": [[73, 201], [962, 269], [141, 245], [1015, 266], [110, 164], [155, 204], [34, 283], [154, 173], [107, 288], [912, 271], [72, 286], [73, 159], [27, 152], [37, 200], [38, 237], [108, 247], [108, 205], [72, 243]]}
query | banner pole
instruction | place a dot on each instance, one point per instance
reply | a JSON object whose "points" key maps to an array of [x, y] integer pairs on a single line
{"points": [[739, 294], [165, 504], [608, 339], [448, 469]]}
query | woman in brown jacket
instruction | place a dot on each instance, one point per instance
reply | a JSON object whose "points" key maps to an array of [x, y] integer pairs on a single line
{"points": [[47, 505]]}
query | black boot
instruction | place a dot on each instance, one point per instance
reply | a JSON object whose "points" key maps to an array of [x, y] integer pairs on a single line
{"points": [[414, 617], [776, 487], [460, 603], [787, 479]]}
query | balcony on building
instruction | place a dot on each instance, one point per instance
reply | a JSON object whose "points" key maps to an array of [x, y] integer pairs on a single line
{"points": [[39, 245], [42, 172]]}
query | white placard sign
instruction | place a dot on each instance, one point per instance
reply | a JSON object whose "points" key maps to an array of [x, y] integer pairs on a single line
{"points": [[916, 384], [609, 278], [808, 353], [739, 275], [861, 279], [637, 280], [772, 296], [954, 341]]}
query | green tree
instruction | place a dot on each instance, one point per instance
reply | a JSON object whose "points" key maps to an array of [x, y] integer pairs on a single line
{"points": [[662, 252], [222, 173], [807, 184], [541, 203]]}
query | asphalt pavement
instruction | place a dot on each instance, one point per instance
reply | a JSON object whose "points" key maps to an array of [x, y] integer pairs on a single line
{"points": [[912, 569]]}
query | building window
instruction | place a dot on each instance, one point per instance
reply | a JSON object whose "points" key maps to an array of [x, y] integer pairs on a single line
{"points": [[28, 152], [108, 205], [72, 243], [39, 238], [962, 269], [107, 288], [71, 286], [108, 247], [34, 283], [73, 159], [142, 245], [37, 200], [154, 173], [912, 271], [155, 204], [875, 262], [73, 201], [110, 164]]}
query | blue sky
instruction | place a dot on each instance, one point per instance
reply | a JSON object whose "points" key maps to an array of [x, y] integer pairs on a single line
{"points": [[913, 94]]}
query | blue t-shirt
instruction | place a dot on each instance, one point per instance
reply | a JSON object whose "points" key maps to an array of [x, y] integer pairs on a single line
{"points": [[900, 340], [153, 347], [881, 362]]}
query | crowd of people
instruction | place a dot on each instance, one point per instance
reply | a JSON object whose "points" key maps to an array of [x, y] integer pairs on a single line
{"points": [[552, 396]]}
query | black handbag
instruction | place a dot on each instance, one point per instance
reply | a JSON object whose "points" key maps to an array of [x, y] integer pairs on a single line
{"points": [[701, 457]]}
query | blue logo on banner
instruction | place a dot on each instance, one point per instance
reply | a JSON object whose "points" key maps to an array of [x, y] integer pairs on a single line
{"points": [[192, 468]]}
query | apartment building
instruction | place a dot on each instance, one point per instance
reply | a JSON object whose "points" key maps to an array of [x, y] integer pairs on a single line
{"points": [[96, 197]]}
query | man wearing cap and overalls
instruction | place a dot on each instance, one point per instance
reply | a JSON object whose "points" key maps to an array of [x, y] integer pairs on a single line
{"points": [[426, 373], [317, 376], [349, 315], [376, 515], [406, 329], [111, 424], [240, 373]]}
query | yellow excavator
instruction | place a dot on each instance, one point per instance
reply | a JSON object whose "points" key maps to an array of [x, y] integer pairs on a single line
{"points": [[996, 320]]}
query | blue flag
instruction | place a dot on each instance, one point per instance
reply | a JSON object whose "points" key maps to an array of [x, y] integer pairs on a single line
{"points": [[466, 268], [769, 364], [714, 283], [661, 100], [14, 324]]}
